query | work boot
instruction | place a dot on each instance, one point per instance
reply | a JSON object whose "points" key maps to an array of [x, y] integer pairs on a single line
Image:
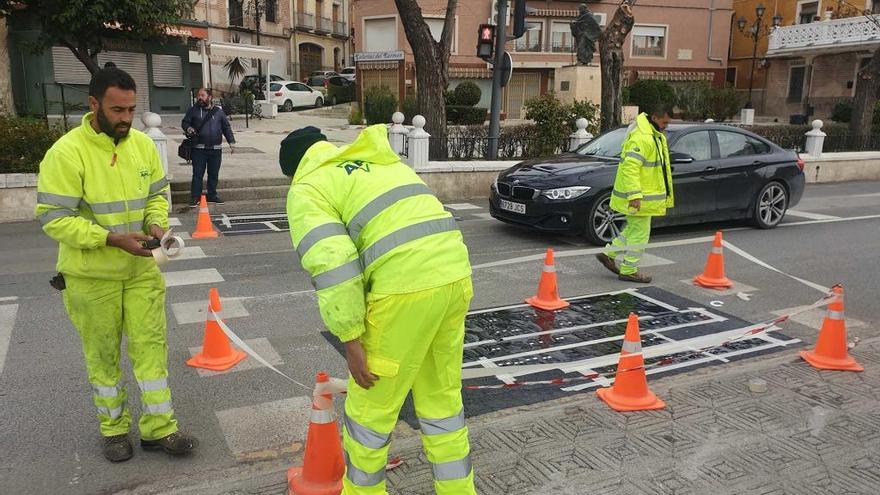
{"points": [[117, 448], [194, 203], [637, 277], [216, 200], [176, 443], [608, 263]]}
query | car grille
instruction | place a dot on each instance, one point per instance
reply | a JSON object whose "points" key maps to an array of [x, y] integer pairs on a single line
{"points": [[516, 192]]}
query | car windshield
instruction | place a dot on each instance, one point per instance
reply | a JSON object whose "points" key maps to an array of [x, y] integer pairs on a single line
{"points": [[607, 145], [348, 71], [319, 73]]}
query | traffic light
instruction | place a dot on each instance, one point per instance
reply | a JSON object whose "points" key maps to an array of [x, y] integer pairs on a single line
{"points": [[519, 18], [486, 41]]}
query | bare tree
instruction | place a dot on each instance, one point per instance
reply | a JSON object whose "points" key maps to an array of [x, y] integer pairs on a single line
{"points": [[611, 64], [432, 62]]}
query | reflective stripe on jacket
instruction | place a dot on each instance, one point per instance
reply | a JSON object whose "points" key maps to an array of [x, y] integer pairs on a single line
{"points": [[88, 187], [644, 172], [362, 221]]}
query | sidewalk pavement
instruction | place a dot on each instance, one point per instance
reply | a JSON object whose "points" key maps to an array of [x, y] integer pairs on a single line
{"points": [[811, 432]]}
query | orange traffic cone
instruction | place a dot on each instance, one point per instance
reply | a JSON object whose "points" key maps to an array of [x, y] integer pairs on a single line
{"points": [[217, 353], [204, 227], [548, 297], [831, 347], [713, 276], [323, 465], [630, 390]]}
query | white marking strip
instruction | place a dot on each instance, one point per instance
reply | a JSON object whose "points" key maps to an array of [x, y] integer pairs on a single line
{"points": [[261, 345], [484, 216], [7, 323], [570, 299], [833, 220], [174, 222], [463, 206], [652, 300], [195, 312], [225, 220], [765, 265], [811, 216], [9, 299], [584, 252], [192, 277], [191, 253]]}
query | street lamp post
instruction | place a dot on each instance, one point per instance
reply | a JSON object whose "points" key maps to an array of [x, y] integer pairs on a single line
{"points": [[756, 31]]}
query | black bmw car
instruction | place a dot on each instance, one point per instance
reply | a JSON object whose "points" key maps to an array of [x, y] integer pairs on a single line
{"points": [[719, 173]]}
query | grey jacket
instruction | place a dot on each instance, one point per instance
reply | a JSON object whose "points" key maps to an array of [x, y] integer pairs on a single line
{"points": [[212, 132]]}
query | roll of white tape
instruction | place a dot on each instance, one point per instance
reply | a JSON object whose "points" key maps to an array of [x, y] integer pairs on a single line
{"points": [[170, 247]]}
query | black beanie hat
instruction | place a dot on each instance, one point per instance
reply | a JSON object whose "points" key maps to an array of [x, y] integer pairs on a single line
{"points": [[294, 147]]}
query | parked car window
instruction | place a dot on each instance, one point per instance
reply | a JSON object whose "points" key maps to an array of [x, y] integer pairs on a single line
{"points": [[607, 145], [349, 70], [291, 86], [302, 87], [274, 87], [733, 144], [695, 144]]}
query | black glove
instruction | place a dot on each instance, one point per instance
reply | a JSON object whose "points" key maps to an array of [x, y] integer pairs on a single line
{"points": [[57, 282]]}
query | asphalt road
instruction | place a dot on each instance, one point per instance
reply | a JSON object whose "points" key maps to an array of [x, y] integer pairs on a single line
{"points": [[251, 421]]}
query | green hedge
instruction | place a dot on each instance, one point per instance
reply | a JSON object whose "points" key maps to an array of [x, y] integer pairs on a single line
{"points": [[647, 92], [465, 115], [467, 94], [23, 143], [379, 104]]}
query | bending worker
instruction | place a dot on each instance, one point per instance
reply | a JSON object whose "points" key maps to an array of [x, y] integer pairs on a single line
{"points": [[642, 189], [101, 191], [393, 282]]}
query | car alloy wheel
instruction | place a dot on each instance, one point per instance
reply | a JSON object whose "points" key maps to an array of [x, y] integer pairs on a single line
{"points": [[604, 223], [319, 102], [288, 106], [772, 203], [333, 100]]}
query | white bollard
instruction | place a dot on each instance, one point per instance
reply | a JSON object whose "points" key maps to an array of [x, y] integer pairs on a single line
{"points": [[580, 136], [419, 144], [815, 139], [397, 133], [710, 121], [747, 116], [152, 121]]}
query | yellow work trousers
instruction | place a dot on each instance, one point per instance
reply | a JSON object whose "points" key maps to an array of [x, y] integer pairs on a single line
{"points": [[631, 243], [100, 310], [412, 342]]}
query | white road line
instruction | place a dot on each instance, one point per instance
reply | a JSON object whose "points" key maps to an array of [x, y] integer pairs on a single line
{"points": [[811, 216], [197, 311], [569, 299], [484, 216], [261, 345], [832, 220], [652, 300], [191, 253], [192, 277], [174, 222], [8, 299], [463, 206], [7, 323]]}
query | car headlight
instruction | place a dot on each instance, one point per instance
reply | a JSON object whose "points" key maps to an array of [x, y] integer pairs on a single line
{"points": [[495, 184], [565, 192]]}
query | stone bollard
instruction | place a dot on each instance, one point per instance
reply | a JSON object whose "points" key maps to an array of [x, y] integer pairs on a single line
{"points": [[152, 121], [580, 136], [397, 133], [419, 144], [815, 139]]}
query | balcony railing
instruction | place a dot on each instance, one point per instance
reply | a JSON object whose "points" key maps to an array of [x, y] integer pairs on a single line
{"points": [[339, 28], [325, 25], [562, 47], [851, 31], [528, 46], [306, 21]]}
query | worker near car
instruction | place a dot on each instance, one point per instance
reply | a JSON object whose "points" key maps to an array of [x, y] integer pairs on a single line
{"points": [[642, 190], [101, 196], [393, 283]]}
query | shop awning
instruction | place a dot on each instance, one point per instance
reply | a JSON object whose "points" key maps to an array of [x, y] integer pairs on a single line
{"points": [[240, 50]]}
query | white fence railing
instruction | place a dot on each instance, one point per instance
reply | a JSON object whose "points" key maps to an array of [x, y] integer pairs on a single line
{"points": [[849, 31]]}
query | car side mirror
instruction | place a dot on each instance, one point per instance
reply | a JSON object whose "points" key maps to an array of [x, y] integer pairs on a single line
{"points": [[681, 158]]}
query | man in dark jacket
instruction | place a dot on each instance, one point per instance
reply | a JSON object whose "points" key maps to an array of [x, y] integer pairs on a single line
{"points": [[206, 124]]}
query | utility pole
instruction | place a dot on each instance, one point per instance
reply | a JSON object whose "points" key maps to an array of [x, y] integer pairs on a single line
{"points": [[497, 75]]}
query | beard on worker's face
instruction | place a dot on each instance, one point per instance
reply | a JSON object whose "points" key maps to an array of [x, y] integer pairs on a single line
{"points": [[116, 130]]}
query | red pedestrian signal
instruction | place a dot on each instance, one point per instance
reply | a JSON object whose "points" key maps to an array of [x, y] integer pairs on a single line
{"points": [[486, 41]]}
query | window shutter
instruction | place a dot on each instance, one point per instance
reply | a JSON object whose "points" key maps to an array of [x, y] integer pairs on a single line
{"points": [[167, 71]]}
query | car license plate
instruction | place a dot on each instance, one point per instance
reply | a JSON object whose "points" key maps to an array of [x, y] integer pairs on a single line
{"points": [[514, 207]]}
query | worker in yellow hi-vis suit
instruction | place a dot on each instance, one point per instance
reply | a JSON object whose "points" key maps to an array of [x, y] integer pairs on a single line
{"points": [[393, 282], [101, 191]]}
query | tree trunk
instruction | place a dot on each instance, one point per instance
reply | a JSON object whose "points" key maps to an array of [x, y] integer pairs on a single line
{"points": [[432, 66], [867, 88], [84, 55], [611, 60]]}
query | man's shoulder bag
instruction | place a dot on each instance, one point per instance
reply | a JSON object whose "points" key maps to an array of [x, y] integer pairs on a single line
{"points": [[185, 149]]}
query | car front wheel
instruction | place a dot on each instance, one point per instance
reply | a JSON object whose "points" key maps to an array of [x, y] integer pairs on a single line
{"points": [[770, 206], [603, 223], [319, 102]]}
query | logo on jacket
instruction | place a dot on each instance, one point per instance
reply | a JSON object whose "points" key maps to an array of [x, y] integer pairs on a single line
{"points": [[144, 173], [350, 167]]}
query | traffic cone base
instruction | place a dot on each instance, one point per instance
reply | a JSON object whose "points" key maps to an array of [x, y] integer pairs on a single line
{"points": [[713, 275], [826, 363], [299, 486], [204, 227], [217, 364], [624, 404], [547, 297]]}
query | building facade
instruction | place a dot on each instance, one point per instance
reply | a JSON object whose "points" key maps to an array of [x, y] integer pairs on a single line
{"points": [[674, 40], [809, 63], [320, 40]]}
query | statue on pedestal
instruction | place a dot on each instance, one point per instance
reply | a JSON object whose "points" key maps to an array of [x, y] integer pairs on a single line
{"points": [[586, 31]]}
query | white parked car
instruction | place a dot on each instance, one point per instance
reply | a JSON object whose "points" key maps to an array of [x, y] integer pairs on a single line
{"points": [[290, 94], [348, 73]]}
